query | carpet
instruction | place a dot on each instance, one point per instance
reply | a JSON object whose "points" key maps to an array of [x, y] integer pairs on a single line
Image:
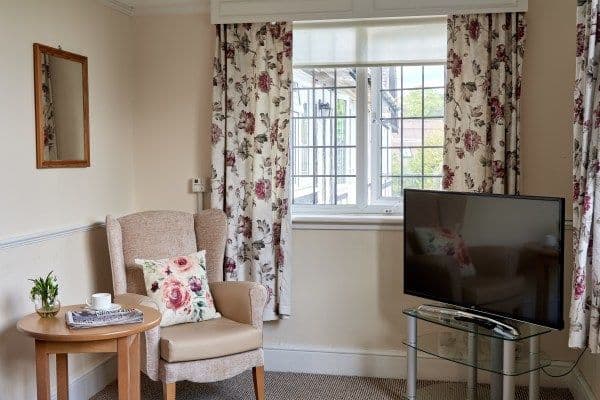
{"points": [[290, 386]]}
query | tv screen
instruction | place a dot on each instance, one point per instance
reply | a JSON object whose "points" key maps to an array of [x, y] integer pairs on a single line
{"points": [[497, 254]]}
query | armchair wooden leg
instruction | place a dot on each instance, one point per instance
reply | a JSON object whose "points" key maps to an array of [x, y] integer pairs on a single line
{"points": [[168, 391], [258, 374]]}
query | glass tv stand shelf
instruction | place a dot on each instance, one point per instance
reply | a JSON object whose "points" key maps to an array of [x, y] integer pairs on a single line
{"points": [[477, 348]]}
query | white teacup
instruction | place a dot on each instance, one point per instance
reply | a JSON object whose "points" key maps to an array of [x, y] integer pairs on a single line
{"points": [[99, 301]]}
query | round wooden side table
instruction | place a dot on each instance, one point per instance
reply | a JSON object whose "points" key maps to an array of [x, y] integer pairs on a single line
{"points": [[52, 336]]}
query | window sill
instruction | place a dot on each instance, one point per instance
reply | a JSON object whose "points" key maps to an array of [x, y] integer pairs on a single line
{"points": [[354, 222]]}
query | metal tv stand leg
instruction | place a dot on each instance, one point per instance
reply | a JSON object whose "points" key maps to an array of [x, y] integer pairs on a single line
{"points": [[472, 378], [508, 367], [496, 364], [534, 375], [411, 364]]}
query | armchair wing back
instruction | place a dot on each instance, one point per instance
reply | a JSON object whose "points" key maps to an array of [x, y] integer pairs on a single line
{"points": [[211, 235], [163, 234]]}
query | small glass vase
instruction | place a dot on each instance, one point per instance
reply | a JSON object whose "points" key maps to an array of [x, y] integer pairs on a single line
{"points": [[46, 309]]}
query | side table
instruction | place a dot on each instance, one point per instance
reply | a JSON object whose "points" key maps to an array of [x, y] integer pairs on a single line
{"points": [[52, 336]]}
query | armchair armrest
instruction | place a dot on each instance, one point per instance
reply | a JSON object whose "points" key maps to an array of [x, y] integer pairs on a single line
{"points": [[150, 340], [243, 302]]}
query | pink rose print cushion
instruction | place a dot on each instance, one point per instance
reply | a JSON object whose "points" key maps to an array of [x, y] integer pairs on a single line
{"points": [[179, 287], [443, 241]]}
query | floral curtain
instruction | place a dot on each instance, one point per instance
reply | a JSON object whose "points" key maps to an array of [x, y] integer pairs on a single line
{"points": [[250, 154], [585, 296], [50, 146], [483, 87]]}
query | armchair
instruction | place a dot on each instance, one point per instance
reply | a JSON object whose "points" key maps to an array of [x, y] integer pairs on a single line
{"points": [[204, 351]]}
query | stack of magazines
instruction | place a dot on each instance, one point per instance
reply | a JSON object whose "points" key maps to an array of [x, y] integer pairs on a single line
{"points": [[87, 318]]}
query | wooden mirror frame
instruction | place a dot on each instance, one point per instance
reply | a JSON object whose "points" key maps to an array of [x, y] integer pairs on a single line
{"points": [[38, 50]]}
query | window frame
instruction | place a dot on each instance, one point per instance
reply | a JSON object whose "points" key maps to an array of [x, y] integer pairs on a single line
{"points": [[362, 133], [394, 205], [368, 151]]}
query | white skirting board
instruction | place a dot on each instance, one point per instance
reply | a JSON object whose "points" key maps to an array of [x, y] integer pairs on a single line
{"points": [[349, 362], [579, 386]]}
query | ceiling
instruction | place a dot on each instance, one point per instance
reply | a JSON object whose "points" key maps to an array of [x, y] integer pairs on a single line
{"points": [[147, 7]]}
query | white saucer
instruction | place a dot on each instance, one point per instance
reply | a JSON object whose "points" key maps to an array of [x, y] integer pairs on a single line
{"points": [[113, 307]]}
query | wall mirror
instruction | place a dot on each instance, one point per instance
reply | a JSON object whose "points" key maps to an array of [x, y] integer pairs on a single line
{"points": [[61, 108]]}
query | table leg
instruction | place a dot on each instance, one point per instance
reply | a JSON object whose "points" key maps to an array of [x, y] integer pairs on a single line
{"points": [[508, 367], [124, 367], [411, 365], [134, 375], [62, 376], [42, 371], [534, 361]]}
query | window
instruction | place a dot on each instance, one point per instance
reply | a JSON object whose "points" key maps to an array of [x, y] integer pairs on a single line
{"points": [[368, 113], [409, 128], [324, 136], [360, 135]]}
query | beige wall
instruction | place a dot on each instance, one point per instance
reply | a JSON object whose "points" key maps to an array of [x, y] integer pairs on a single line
{"points": [[347, 287], [173, 67], [347, 292], [546, 122], [35, 200]]}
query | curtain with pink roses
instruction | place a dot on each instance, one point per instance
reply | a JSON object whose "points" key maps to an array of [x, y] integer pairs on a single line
{"points": [[50, 144], [482, 110], [585, 294], [250, 154]]}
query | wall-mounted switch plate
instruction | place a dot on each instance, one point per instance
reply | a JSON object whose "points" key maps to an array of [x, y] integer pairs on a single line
{"points": [[198, 185]]}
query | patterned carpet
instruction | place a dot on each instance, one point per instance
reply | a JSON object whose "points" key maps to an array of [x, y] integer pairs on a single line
{"points": [[288, 386]]}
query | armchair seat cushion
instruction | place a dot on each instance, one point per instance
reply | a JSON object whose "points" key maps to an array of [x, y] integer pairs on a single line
{"points": [[486, 290], [207, 339]]}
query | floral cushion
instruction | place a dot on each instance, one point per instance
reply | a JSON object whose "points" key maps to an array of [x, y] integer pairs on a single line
{"points": [[443, 241], [179, 287]]}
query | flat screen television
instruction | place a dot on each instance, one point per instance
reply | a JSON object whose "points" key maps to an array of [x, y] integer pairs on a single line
{"points": [[499, 255]]}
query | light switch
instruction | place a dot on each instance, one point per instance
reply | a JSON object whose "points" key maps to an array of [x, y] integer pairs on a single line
{"points": [[198, 185]]}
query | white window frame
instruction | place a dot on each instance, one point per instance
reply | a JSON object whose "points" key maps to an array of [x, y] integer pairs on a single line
{"points": [[362, 158], [387, 205], [368, 154]]}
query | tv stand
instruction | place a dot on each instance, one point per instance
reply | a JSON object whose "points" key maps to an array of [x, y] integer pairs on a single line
{"points": [[480, 343], [501, 328]]}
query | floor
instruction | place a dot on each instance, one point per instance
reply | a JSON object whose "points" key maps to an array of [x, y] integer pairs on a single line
{"points": [[288, 386]]}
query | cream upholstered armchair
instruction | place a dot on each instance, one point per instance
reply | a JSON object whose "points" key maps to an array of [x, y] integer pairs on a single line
{"points": [[204, 351]]}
